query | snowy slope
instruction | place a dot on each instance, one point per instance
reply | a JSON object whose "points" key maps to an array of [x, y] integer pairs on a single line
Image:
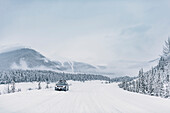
{"points": [[88, 97], [26, 58]]}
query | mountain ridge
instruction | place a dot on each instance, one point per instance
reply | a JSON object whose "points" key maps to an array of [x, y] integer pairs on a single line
{"points": [[27, 58]]}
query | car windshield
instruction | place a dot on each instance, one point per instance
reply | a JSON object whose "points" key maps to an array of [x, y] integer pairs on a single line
{"points": [[62, 83]]}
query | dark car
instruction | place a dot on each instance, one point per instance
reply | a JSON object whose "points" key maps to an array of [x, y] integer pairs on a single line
{"points": [[62, 85]]}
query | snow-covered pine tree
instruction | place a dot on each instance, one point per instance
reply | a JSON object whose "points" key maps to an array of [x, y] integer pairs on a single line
{"points": [[151, 82], [161, 64], [133, 86], [137, 86], [39, 85], [8, 89], [147, 82], [167, 91], [47, 82], [159, 87], [142, 84], [166, 48], [13, 87], [124, 85], [167, 78]]}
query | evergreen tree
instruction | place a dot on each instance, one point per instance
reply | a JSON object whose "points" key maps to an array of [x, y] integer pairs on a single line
{"points": [[133, 86], [166, 49], [39, 85], [167, 92], [8, 89], [137, 86], [13, 87], [142, 84], [151, 82]]}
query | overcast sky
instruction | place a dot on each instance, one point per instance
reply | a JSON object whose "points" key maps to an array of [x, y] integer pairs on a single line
{"points": [[122, 34]]}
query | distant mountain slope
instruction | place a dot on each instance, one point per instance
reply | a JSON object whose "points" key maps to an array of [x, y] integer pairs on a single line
{"points": [[78, 67], [25, 58]]}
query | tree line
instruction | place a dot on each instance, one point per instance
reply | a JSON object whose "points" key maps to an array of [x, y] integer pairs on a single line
{"points": [[155, 82], [10, 76]]}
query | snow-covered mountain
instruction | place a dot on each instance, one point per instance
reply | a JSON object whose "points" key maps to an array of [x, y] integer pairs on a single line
{"points": [[26, 58], [23, 59]]}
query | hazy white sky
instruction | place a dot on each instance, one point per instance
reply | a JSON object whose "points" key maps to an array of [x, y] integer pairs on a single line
{"points": [[123, 34]]}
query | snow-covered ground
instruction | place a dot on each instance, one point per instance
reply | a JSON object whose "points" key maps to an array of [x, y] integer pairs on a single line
{"points": [[88, 97], [24, 86]]}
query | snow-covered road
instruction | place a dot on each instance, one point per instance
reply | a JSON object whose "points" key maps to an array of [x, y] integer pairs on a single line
{"points": [[88, 97]]}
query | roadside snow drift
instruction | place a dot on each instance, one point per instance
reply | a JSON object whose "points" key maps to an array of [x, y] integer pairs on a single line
{"points": [[87, 97]]}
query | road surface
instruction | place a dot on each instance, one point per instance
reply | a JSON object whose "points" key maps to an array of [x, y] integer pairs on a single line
{"points": [[88, 97]]}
